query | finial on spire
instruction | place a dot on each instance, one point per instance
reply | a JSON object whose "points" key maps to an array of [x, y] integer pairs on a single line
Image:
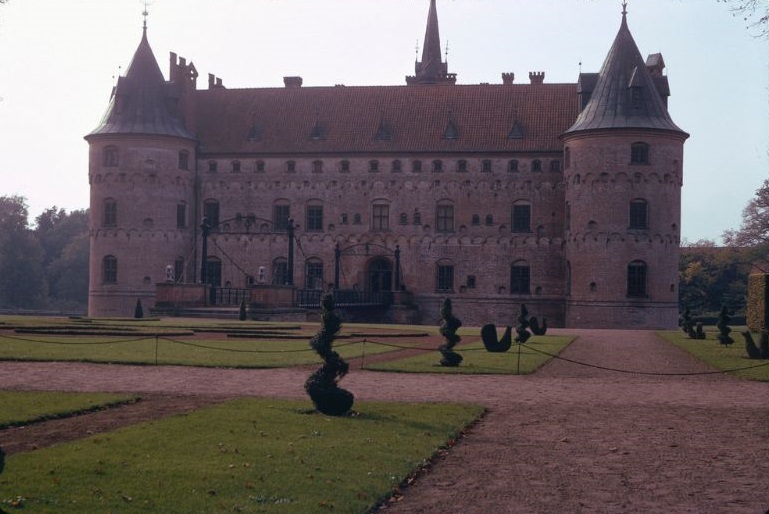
{"points": [[145, 13], [446, 53], [624, 7]]}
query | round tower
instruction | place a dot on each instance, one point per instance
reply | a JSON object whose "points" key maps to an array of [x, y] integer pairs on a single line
{"points": [[623, 176], [142, 183]]}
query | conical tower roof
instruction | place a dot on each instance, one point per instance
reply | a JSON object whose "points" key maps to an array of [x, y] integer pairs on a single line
{"points": [[143, 102], [624, 95]]}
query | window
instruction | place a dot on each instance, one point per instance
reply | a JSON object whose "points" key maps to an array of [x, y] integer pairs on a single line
{"points": [[356, 219], [471, 281], [344, 166], [639, 214], [437, 166], [417, 217], [555, 166], [184, 160], [290, 166], [397, 166], [445, 277], [536, 165], [486, 166], [110, 156], [444, 218], [313, 274], [462, 166], [314, 221], [520, 278], [521, 217], [212, 166], [281, 213], [280, 271], [636, 279], [476, 220], [211, 212], [317, 166], [109, 270], [489, 220], [512, 165], [403, 219], [179, 269], [181, 215], [416, 166], [567, 157], [235, 166], [343, 218], [639, 153], [110, 213], [260, 166], [380, 217], [373, 166]]}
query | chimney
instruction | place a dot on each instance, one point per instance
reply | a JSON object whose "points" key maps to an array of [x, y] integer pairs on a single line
{"points": [[292, 82], [508, 78], [536, 77]]}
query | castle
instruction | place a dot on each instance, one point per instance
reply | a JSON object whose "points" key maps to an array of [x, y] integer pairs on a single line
{"points": [[563, 197]]}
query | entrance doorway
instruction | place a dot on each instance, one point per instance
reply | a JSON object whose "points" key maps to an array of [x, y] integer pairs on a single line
{"points": [[379, 275]]}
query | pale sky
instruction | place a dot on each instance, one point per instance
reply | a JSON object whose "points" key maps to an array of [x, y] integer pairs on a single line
{"points": [[59, 60]]}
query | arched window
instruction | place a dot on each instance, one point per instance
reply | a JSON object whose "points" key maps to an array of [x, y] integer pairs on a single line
{"points": [[109, 269], [235, 166], [344, 166], [444, 217], [281, 213], [512, 165], [444, 278], [317, 166], [397, 166], [290, 166], [636, 279], [313, 274], [373, 166], [211, 212], [416, 166], [521, 217], [437, 166], [536, 165], [280, 271], [403, 219], [520, 277], [462, 166], [110, 156], [489, 220], [476, 219], [110, 213], [212, 166], [639, 153], [639, 214], [486, 166]]}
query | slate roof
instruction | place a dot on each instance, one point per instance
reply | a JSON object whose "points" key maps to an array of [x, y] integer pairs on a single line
{"points": [[384, 119], [611, 104], [143, 102]]}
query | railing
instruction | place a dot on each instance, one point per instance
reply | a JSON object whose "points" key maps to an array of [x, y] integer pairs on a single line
{"points": [[229, 296], [310, 298]]}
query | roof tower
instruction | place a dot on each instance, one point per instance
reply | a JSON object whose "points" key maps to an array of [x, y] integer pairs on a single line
{"points": [[431, 70]]}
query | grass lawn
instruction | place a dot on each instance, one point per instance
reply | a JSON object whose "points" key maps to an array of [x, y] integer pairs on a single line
{"points": [[725, 358], [19, 408], [247, 455], [477, 360]]}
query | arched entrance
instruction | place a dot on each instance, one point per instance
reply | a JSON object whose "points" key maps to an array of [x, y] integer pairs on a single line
{"points": [[379, 275]]}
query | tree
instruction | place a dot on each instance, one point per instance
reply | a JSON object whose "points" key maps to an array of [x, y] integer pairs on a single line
{"points": [[22, 282], [712, 276], [754, 12], [755, 222]]}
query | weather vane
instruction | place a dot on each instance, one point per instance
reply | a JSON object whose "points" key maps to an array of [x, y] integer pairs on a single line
{"points": [[145, 12]]}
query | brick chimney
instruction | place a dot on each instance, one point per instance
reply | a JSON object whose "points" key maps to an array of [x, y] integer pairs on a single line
{"points": [[536, 77], [508, 78]]}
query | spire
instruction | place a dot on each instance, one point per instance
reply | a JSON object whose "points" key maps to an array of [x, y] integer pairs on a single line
{"points": [[431, 70], [143, 102], [623, 94]]}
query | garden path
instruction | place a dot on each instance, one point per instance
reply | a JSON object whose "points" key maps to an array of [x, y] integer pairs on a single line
{"points": [[570, 438]]}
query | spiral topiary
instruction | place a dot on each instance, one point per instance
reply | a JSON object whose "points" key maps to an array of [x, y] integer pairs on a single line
{"points": [[449, 326], [322, 385], [723, 327]]}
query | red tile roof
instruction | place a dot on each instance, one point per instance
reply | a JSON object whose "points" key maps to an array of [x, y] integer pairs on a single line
{"points": [[347, 119]]}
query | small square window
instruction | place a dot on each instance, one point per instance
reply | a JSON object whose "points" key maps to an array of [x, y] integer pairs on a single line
{"points": [[486, 166]]}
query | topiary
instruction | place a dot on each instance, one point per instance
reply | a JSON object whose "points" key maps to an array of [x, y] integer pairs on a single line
{"points": [[138, 311], [723, 327], [449, 326]]}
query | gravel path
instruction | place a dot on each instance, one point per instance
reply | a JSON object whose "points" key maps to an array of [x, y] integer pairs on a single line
{"points": [[570, 438]]}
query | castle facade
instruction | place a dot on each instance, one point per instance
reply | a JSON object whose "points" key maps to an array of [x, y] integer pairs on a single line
{"points": [[563, 197]]}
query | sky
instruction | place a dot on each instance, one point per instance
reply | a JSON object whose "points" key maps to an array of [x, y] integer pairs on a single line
{"points": [[60, 59]]}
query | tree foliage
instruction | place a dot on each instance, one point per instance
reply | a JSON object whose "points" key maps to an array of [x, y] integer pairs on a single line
{"points": [[755, 13], [711, 277], [754, 230], [44, 267]]}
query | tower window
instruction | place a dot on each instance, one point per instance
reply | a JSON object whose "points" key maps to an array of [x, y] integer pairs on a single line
{"points": [[636, 279], [639, 214], [184, 160], [110, 213], [110, 156], [109, 269], [639, 153]]}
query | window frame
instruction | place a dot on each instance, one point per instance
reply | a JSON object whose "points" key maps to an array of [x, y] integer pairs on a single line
{"points": [[444, 218], [517, 216], [638, 214], [639, 153], [444, 277], [637, 277], [313, 218], [380, 217], [520, 277], [109, 269]]}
